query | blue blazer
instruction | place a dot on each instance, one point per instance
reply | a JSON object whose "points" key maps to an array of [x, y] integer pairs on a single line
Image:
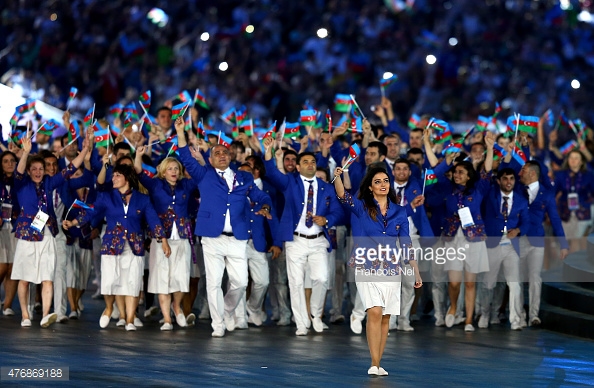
{"points": [[583, 185], [419, 216], [263, 232], [370, 233], [28, 200], [124, 227], [216, 199], [518, 217], [292, 186], [168, 208], [544, 203]]}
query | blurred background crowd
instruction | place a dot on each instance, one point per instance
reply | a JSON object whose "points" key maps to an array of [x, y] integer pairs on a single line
{"points": [[453, 59]]}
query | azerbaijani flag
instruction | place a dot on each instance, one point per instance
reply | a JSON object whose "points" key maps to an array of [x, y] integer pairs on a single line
{"points": [[200, 99], [149, 170], [200, 129], [568, 147], [115, 131], [49, 127], [14, 120], [342, 103], [101, 135], [128, 121], [438, 125], [549, 117], [270, 132], [145, 100], [308, 117], [291, 130], [499, 151], [74, 131], [229, 116], [354, 152], [482, 123], [183, 96], [179, 110], [519, 155], [329, 120], [452, 148], [116, 110], [497, 109], [131, 110], [241, 115], [225, 140], [385, 82], [430, 177], [414, 120], [528, 124], [71, 96], [563, 120], [88, 119], [188, 123], [510, 127], [356, 125], [77, 204], [148, 119]]}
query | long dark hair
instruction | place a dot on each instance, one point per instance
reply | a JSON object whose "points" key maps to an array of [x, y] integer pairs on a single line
{"points": [[473, 175], [129, 174], [366, 195]]}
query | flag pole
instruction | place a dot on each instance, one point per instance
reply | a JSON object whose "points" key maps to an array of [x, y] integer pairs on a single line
{"points": [[357, 105], [382, 90], [517, 115], [424, 182]]}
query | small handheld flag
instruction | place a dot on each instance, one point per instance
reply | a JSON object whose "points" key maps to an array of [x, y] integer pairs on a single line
{"points": [[200, 99], [430, 179], [149, 170], [116, 110], [145, 100], [342, 103], [71, 96], [88, 119], [414, 121], [308, 117], [568, 147], [179, 110]]}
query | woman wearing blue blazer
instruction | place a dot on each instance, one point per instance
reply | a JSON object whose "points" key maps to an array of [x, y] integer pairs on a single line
{"points": [[36, 227], [170, 194]]}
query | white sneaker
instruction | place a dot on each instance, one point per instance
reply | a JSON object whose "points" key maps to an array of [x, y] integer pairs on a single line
{"points": [[218, 333], [62, 319], [374, 371], [255, 319], [449, 320], [181, 320], [48, 320], [8, 312], [81, 306], [325, 326], [317, 324], [121, 323], [483, 322], [191, 319], [469, 328], [167, 327], [301, 332], [229, 322], [356, 325], [241, 325], [130, 327], [516, 326], [73, 315], [263, 316], [535, 322], [284, 321], [115, 314], [405, 326], [26, 323], [138, 322], [459, 320], [153, 310], [381, 371], [439, 322], [104, 321]]}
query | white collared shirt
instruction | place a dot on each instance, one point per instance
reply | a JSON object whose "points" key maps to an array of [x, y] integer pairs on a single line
{"points": [[533, 191], [301, 228], [412, 230], [259, 184], [390, 163], [229, 178]]}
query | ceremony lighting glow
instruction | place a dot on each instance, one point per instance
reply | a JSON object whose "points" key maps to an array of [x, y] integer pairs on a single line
{"points": [[322, 33], [565, 4], [223, 66], [585, 17], [453, 41], [387, 75], [249, 29], [431, 59], [53, 17], [575, 84], [205, 36]]}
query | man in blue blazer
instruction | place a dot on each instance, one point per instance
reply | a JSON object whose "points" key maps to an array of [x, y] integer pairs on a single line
{"points": [[311, 208], [223, 225], [541, 202], [263, 243], [407, 190], [507, 213]]}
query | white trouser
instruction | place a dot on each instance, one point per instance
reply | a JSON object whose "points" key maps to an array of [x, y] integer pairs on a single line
{"points": [[407, 292], [279, 290], [502, 256], [531, 261], [302, 252], [60, 289], [439, 284], [220, 253], [258, 270], [340, 256], [358, 309]]}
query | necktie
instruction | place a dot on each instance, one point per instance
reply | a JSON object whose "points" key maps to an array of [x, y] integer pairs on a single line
{"points": [[504, 208], [527, 193], [222, 174], [309, 213], [40, 197], [399, 195]]}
